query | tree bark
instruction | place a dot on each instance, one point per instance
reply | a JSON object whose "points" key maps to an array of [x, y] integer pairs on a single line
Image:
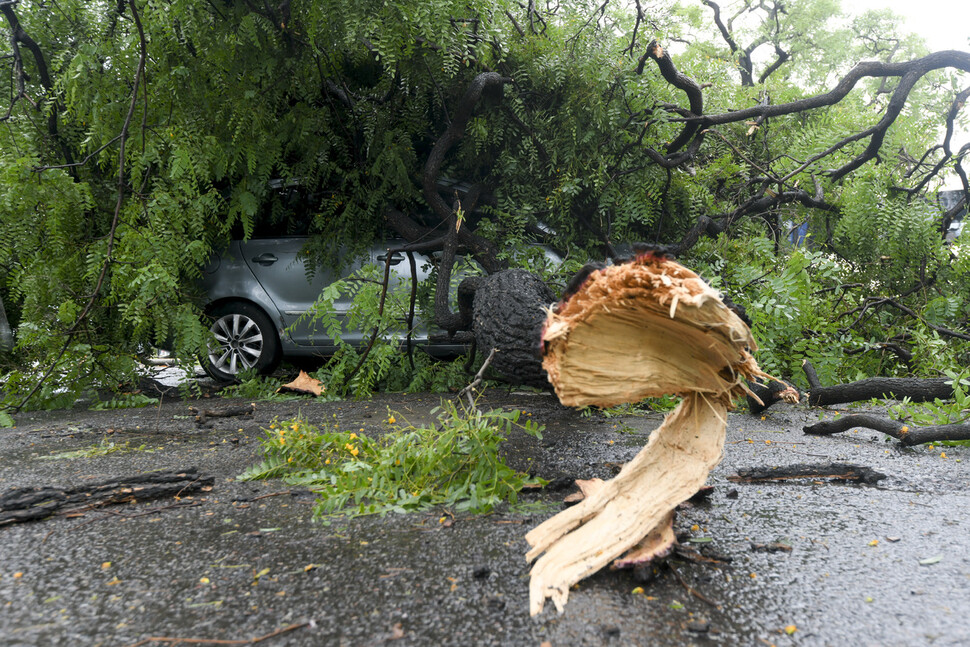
{"points": [[893, 388], [509, 313], [902, 432], [31, 504], [835, 471]]}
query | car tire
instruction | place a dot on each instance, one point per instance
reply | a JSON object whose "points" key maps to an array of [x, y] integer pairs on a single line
{"points": [[245, 339]]}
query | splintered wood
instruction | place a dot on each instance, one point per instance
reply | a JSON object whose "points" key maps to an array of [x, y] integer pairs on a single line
{"points": [[646, 328]]}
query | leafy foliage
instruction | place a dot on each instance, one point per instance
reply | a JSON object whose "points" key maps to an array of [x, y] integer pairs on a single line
{"points": [[455, 463], [125, 401], [117, 181], [939, 412], [103, 448]]}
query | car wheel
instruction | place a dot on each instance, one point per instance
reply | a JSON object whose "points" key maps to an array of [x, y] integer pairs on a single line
{"points": [[244, 339]]}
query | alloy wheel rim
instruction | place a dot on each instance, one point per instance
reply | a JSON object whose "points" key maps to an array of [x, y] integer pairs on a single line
{"points": [[238, 344]]}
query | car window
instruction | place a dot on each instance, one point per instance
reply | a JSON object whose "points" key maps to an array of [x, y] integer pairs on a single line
{"points": [[286, 210]]}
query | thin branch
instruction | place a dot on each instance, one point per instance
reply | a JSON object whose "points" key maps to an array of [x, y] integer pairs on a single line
{"points": [[902, 432], [83, 161], [909, 71], [217, 641], [388, 256], [467, 391]]}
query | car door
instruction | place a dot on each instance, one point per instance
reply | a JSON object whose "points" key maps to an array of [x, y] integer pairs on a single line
{"points": [[281, 269], [399, 278]]}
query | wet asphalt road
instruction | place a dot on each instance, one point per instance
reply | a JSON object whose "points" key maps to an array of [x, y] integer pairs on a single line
{"points": [[244, 560]]}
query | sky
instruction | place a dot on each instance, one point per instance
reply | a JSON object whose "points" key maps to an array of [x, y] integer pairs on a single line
{"points": [[945, 24]]}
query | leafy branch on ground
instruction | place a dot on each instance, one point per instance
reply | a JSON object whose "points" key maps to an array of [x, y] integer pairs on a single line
{"points": [[455, 463], [938, 412]]}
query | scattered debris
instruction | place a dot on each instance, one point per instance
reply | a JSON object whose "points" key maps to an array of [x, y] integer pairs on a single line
{"points": [[219, 641], [699, 626], [31, 504], [709, 556], [833, 471], [202, 415], [776, 547]]}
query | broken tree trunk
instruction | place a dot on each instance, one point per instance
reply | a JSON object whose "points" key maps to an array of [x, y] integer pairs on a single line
{"points": [[646, 328], [509, 313]]}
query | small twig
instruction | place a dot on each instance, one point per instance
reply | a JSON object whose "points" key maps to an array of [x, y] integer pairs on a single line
{"points": [[697, 594], [216, 641], [693, 556], [466, 392]]}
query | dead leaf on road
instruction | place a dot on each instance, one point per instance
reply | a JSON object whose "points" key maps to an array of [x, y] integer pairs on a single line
{"points": [[304, 384]]}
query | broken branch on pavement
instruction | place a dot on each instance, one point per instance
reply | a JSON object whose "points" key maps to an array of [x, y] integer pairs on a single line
{"points": [[906, 434], [18, 505]]}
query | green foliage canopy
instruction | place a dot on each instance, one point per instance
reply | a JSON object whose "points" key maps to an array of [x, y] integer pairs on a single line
{"points": [[138, 135]]}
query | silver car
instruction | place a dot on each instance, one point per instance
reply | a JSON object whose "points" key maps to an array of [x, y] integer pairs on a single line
{"points": [[258, 293]]}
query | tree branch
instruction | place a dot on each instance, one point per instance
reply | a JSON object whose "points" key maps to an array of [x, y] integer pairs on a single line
{"points": [[909, 71], [902, 432], [18, 35], [681, 82]]}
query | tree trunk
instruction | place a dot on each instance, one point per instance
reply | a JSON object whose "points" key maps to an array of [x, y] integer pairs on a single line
{"points": [[509, 313]]}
